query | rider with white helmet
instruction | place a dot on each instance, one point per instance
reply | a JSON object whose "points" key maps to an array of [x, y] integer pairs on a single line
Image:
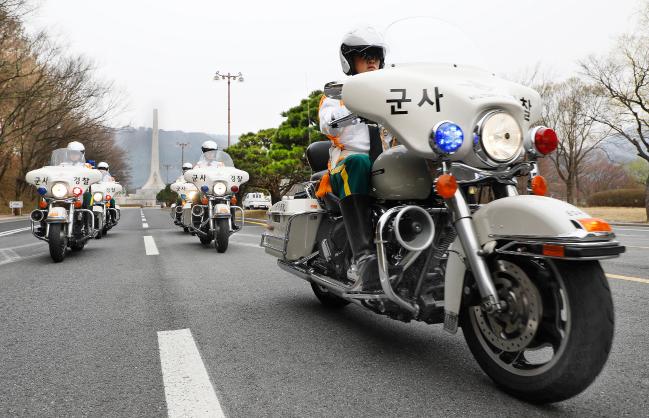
{"points": [[103, 167], [76, 152], [210, 152], [361, 50]]}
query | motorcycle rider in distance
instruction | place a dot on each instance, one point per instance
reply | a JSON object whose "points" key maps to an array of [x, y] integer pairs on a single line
{"points": [[185, 168], [361, 50], [210, 150], [105, 176]]}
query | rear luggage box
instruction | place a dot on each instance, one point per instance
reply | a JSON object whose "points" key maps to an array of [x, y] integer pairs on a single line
{"points": [[292, 228]]}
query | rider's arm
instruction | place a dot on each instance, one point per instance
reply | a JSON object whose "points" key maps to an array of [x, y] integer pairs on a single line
{"points": [[331, 109]]}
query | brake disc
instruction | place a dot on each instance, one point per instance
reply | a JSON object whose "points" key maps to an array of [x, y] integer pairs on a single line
{"points": [[513, 329]]}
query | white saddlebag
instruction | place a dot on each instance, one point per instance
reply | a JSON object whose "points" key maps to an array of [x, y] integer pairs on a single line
{"points": [[293, 225]]}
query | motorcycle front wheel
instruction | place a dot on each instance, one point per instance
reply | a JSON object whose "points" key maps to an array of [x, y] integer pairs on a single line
{"points": [[556, 333], [58, 242], [222, 235]]}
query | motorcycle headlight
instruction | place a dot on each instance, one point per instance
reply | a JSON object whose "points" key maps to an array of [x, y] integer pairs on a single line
{"points": [[59, 190], [220, 188], [499, 136], [98, 197]]}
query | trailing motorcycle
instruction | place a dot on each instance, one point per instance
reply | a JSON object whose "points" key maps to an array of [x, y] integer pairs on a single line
{"points": [[106, 216], [213, 218], [181, 214], [456, 243], [61, 220]]}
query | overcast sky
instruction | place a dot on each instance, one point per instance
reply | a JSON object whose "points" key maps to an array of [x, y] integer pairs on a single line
{"points": [[163, 53]]}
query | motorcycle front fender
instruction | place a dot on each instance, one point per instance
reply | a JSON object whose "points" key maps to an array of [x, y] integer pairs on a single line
{"points": [[532, 220]]}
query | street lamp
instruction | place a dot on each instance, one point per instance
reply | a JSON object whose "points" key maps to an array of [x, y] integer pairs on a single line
{"points": [[218, 76]]}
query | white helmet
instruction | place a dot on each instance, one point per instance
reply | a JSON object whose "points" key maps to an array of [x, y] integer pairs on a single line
{"points": [[364, 41], [209, 146], [102, 166], [187, 166], [76, 146]]}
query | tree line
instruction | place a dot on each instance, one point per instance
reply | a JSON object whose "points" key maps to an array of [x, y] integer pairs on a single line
{"points": [[47, 99]]}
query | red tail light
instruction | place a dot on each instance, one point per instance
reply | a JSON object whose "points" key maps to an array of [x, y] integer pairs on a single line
{"points": [[545, 140], [234, 188], [108, 197], [77, 191]]}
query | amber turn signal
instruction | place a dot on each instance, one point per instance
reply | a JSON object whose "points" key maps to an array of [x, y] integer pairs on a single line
{"points": [[446, 186], [554, 250], [204, 200], [539, 186], [595, 225], [233, 201], [42, 204]]}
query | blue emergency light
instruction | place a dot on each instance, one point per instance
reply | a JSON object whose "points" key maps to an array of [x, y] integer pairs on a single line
{"points": [[448, 137]]}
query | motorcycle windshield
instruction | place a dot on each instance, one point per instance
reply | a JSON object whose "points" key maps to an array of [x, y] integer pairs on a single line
{"points": [[427, 39], [216, 158], [65, 156]]}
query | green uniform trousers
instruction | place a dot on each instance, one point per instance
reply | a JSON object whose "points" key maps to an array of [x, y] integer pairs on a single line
{"points": [[351, 176]]}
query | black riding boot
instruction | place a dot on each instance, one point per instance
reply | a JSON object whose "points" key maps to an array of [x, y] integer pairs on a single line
{"points": [[360, 233]]}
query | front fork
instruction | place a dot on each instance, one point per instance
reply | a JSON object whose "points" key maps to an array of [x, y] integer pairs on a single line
{"points": [[210, 212], [463, 222]]}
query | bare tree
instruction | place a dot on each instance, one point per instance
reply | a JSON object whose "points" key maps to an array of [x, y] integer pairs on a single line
{"points": [[623, 76], [572, 108]]}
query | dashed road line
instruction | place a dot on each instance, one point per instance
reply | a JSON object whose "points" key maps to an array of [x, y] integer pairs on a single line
{"points": [[149, 246], [13, 231], [188, 390], [145, 225], [627, 278], [633, 246]]}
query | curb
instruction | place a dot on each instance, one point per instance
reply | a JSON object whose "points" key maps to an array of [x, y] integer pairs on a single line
{"points": [[641, 225]]}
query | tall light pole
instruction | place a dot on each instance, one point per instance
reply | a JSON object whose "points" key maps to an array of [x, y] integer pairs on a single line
{"points": [[182, 146], [167, 166], [229, 77]]}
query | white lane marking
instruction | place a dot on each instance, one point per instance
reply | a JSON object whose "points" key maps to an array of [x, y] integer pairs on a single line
{"points": [[632, 246], [629, 235], [247, 244], [149, 246], [26, 257], [145, 225], [188, 390], [628, 278], [13, 231], [630, 229], [33, 244], [8, 255]]}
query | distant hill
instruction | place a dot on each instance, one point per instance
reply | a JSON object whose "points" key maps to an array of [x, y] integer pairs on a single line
{"points": [[136, 142]]}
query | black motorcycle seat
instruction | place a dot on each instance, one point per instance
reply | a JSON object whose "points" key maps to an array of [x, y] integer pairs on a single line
{"points": [[317, 155]]}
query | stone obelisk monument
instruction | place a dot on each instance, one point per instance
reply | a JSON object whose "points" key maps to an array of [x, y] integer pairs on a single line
{"points": [[146, 195], [154, 184]]}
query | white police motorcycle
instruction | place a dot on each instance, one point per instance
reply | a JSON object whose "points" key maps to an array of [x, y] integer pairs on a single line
{"points": [[456, 243], [217, 181], [181, 214], [106, 217], [61, 220]]}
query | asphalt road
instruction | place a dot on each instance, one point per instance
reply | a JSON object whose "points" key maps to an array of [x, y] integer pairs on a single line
{"points": [[87, 336]]}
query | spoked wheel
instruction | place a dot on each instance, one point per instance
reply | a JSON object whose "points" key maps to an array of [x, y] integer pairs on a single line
{"points": [[58, 242], [327, 298], [222, 235], [556, 333]]}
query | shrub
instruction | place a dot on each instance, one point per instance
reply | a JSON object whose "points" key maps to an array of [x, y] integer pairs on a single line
{"points": [[621, 198]]}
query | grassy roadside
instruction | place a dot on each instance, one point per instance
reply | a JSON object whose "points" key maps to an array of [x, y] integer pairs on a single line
{"points": [[614, 214]]}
